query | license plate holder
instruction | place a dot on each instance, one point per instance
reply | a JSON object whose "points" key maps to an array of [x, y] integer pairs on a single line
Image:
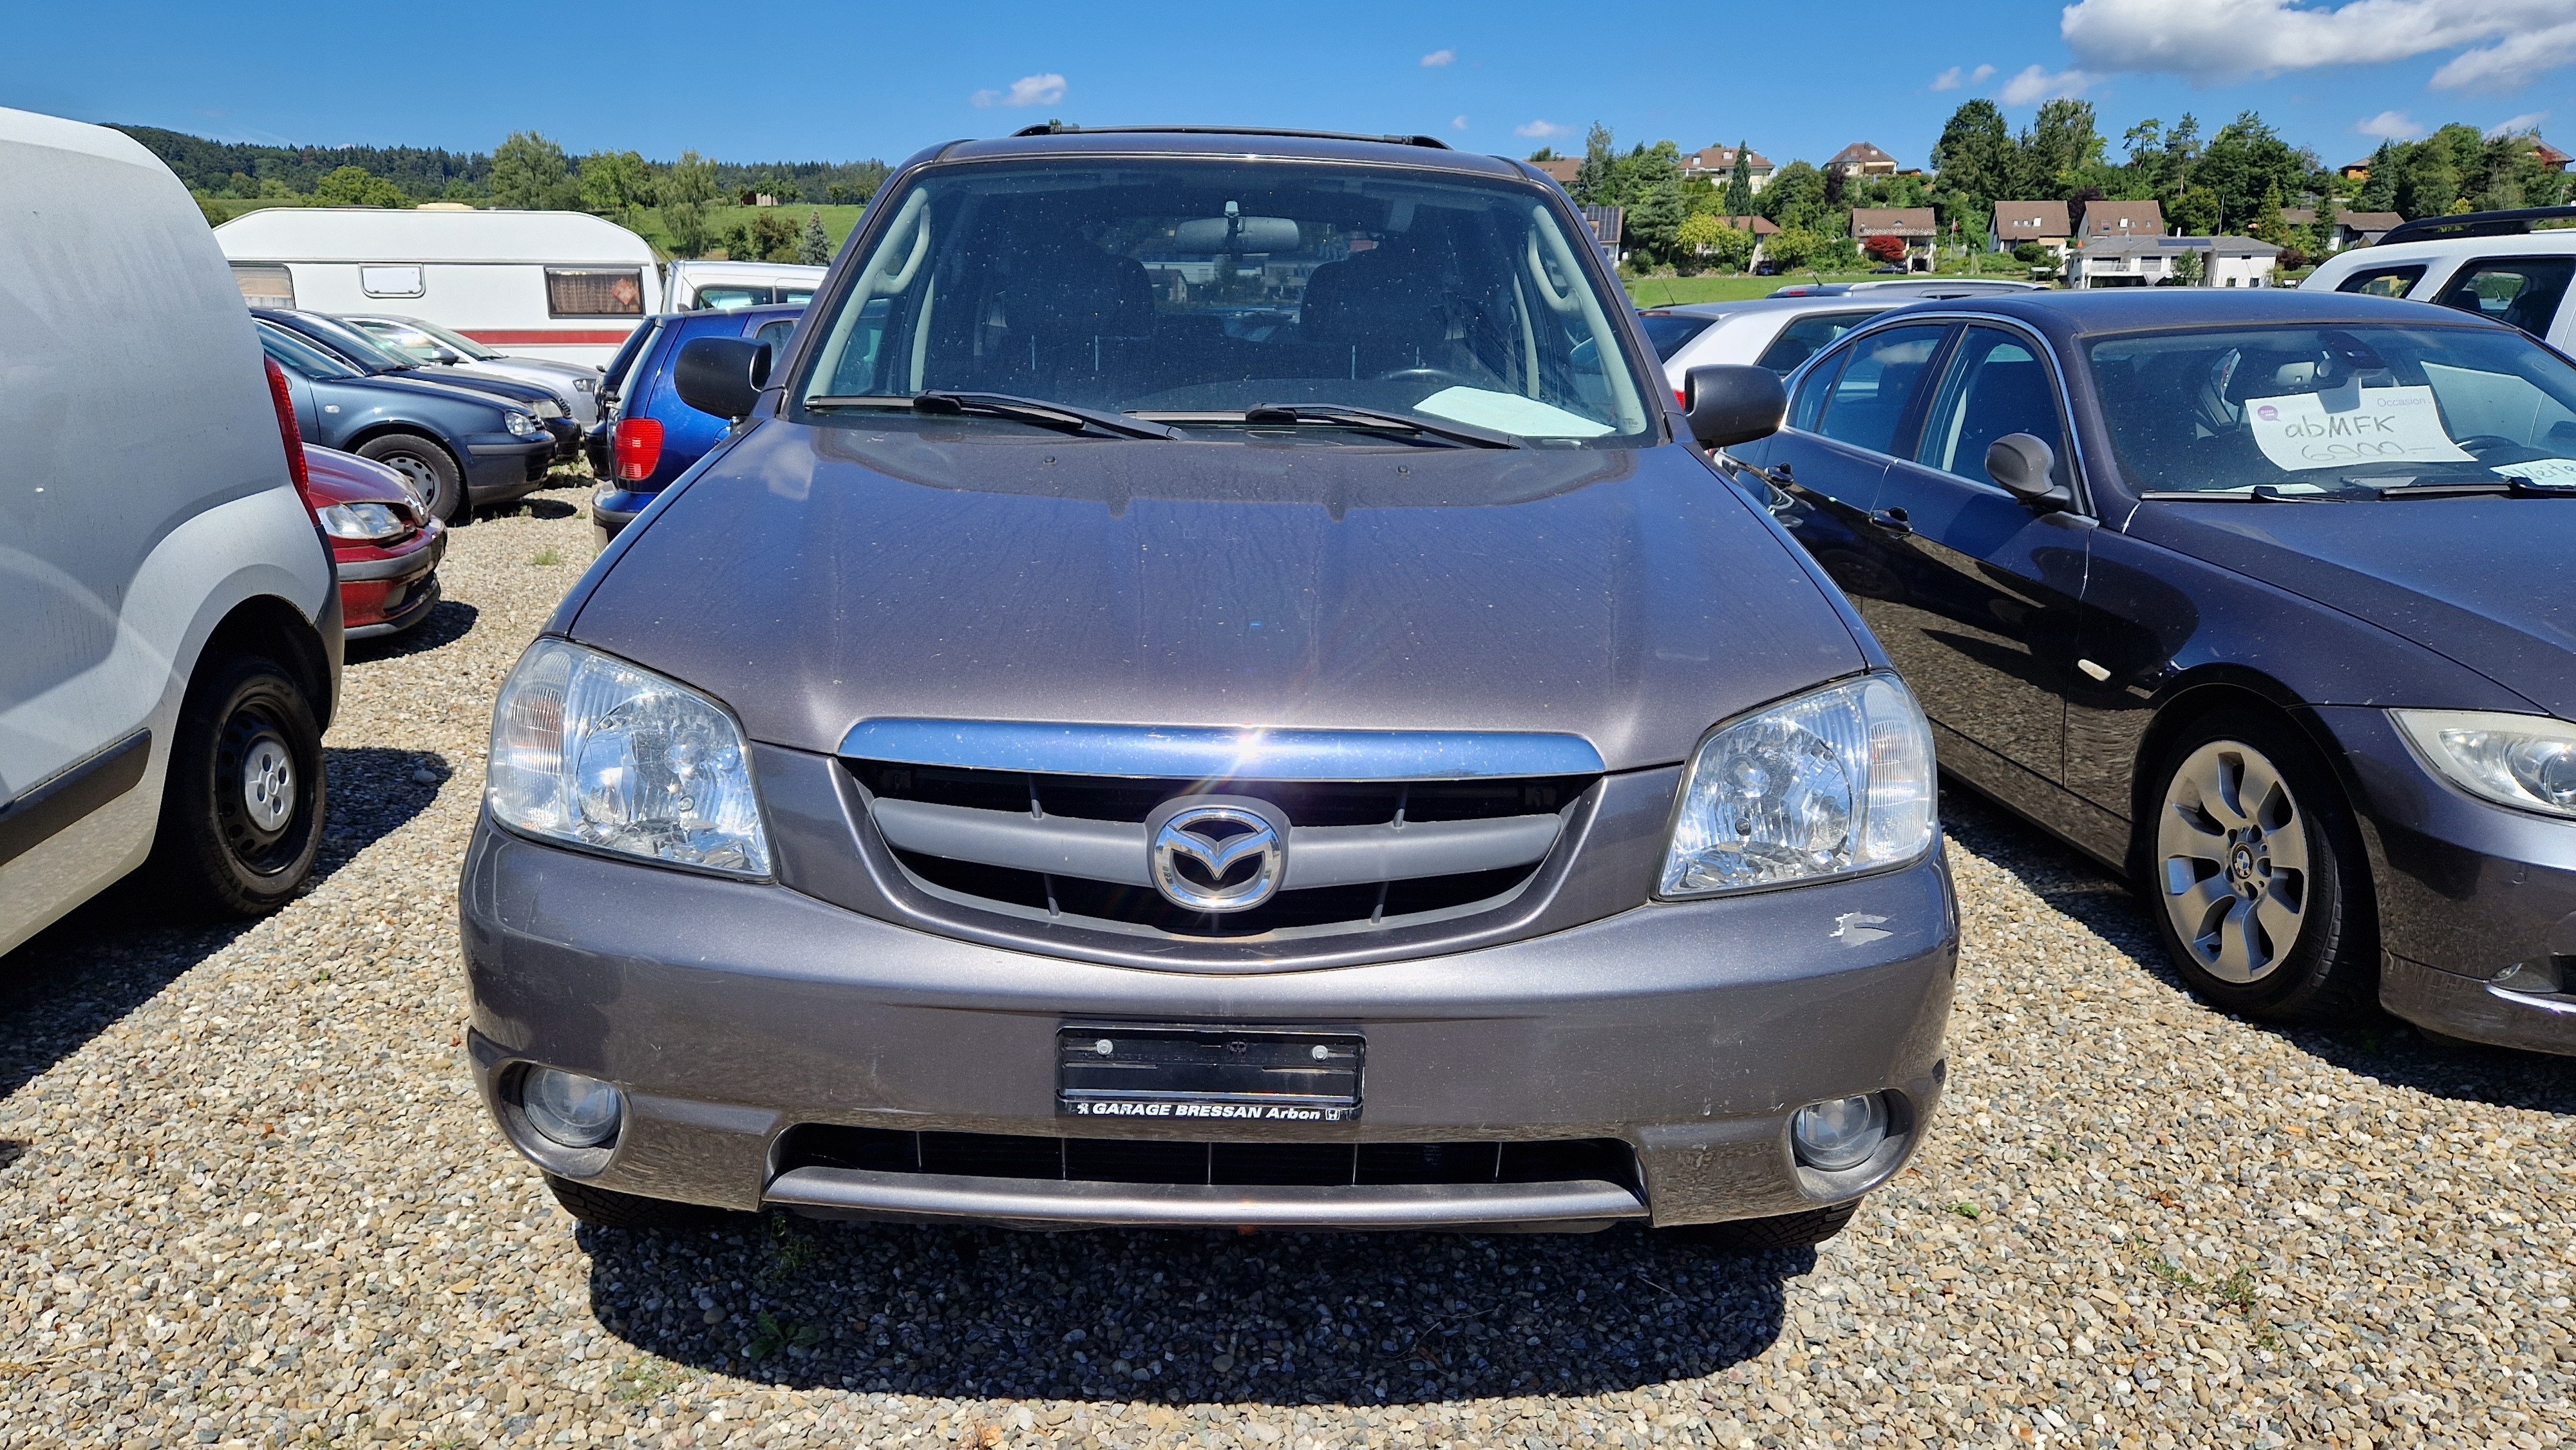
{"points": [[1165, 1073]]}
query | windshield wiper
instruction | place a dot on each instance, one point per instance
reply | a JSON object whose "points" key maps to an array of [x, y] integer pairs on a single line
{"points": [[2252, 493], [1371, 418], [1040, 412], [2507, 486]]}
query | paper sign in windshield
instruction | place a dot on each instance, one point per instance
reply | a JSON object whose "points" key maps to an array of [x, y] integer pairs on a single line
{"points": [[2392, 425], [2547, 472]]}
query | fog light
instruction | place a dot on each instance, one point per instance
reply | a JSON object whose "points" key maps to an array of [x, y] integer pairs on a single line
{"points": [[1840, 1133], [576, 1111]]}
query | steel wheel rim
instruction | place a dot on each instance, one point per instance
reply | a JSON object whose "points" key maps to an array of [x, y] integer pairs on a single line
{"points": [[268, 783], [424, 479], [2232, 861]]}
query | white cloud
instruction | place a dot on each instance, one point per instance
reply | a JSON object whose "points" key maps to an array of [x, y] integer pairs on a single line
{"points": [[1457, 123], [1439, 58], [1037, 90], [2391, 126], [2526, 124], [1957, 76], [2033, 84], [1541, 130], [2505, 43]]}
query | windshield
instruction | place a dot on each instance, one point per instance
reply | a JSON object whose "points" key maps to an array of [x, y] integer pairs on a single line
{"points": [[1191, 291], [355, 344], [415, 338], [296, 354], [1667, 331], [2335, 411]]}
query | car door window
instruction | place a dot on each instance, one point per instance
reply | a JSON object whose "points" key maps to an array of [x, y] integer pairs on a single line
{"points": [[774, 333], [728, 297], [1995, 385], [2518, 291], [2383, 281], [1877, 387], [1806, 336], [1667, 331]]}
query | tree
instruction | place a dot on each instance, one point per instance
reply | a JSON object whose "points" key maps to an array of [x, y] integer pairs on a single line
{"points": [[352, 186], [1793, 247], [2190, 268], [2247, 159], [814, 245], [531, 172], [1545, 153], [1706, 237], [1884, 249], [2195, 213], [1795, 197], [686, 187], [2052, 155], [1739, 183], [1974, 160], [1650, 187], [1593, 179], [614, 183]]}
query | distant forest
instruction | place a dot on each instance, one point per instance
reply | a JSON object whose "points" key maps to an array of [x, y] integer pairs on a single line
{"points": [[239, 169]]}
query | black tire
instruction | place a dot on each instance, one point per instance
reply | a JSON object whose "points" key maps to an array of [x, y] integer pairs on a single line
{"points": [[242, 810], [1760, 1235], [607, 1208], [2328, 972], [430, 468]]}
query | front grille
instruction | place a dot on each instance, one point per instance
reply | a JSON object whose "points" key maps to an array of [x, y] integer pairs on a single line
{"points": [[1016, 889], [1138, 1160]]}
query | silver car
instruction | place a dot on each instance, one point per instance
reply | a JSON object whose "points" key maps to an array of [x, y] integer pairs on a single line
{"points": [[577, 384], [1212, 685]]}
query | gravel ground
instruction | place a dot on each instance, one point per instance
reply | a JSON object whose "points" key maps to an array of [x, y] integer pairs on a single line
{"points": [[247, 1197]]}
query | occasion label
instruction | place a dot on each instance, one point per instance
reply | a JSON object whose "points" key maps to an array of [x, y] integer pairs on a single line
{"points": [[2392, 425]]}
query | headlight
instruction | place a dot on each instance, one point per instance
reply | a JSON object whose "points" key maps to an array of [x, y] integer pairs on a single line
{"points": [[523, 424], [2524, 761], [585, 385], [364, 521], [548, 408], [594, 751], [1830, 783]]}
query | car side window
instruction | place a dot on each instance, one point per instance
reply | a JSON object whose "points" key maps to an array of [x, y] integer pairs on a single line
{"points": [[2383, 281], [2519, 291], [774, 334], [1809, 404], [1804, 337], [729, 297], [1878, 385], [1995, 385]]}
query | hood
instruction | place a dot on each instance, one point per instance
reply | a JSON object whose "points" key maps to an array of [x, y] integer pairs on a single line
{"points": [[820, 576], [2487, 582], [456, 392], [339, 477]]}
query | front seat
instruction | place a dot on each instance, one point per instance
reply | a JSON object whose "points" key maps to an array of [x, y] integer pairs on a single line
{"points": [[1386, 308]]}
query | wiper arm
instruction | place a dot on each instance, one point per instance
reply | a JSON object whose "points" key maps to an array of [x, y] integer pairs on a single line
{"points": [[1373, 419], [2507, 486], [2257, 493], [1063, 417]]}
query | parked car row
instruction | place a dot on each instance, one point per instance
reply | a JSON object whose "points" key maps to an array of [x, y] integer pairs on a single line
{"points": [[652, 436]]}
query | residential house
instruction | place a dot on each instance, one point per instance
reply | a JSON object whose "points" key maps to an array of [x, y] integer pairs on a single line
{"points": [[2549, 156], [1562, 169], [2119, 219], [2016, 222], [1717, 163], [2148, 261], [1912, 225], [1862, 159], [2362, 228], [2355, 170]]}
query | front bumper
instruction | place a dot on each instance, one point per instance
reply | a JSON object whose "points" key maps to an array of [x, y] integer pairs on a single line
{"points": [[613, 507], [730, 1012], [2477, 903], [499, 468], [388, 591]]}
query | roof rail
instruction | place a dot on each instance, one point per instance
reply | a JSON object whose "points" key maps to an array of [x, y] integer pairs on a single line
{"points": [[1060, 128], [2475, 224]]}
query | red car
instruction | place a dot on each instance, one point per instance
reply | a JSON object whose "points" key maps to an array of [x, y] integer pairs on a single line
{"points": [[386, 544]]}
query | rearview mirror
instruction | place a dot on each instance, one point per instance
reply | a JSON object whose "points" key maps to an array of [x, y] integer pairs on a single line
{"points": [[1731, 403], [2022, 464], [721, 375]]}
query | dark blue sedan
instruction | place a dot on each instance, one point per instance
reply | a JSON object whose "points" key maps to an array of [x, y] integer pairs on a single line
{"points": [[461, 450], [2267, 600], [653, 437]]}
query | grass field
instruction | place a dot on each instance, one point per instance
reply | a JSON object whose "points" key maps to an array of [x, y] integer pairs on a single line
{"points": [[1666, 291]]}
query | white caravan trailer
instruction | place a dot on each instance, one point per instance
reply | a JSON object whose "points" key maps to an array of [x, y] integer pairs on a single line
{"points": [[549, 284]]}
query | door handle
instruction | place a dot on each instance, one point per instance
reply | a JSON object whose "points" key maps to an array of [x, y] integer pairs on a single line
{"points": [[1892, 520]]}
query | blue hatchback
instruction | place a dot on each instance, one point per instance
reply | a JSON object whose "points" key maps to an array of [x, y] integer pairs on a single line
{"points": [[653, 437]]}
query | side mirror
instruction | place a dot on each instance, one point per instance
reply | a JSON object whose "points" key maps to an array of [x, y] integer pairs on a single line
{"points": [[2022, 464], [1732, 403], [721, 375], [446, 357]]}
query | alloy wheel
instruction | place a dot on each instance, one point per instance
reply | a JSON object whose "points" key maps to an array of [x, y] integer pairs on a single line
{"points": [[2232, 861]]}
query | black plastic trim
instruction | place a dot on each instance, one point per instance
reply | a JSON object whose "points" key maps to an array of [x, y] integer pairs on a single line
{"points": [[71, 797]]}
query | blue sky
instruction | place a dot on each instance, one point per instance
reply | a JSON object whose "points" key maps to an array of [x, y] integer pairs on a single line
{"points": [[771, 82]]}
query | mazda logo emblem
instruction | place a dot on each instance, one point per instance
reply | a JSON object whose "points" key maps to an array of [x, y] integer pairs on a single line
{"points": [[1218, 855]]}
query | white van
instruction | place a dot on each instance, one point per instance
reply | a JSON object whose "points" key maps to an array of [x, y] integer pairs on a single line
{"points": [[733, 286], [547, 284], [174, 626]]}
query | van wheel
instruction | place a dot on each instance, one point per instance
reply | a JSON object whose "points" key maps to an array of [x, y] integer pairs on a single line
{"points": [[432, 473], [607, 1208], [2255, 875], [241, 815], [1758, 1235]]}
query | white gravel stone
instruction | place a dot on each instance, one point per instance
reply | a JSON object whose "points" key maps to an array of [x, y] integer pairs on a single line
{"points": [[249, 1199]]}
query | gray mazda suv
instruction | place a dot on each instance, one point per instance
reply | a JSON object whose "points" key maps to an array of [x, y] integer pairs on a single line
{"points": [[1212, 684]]}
